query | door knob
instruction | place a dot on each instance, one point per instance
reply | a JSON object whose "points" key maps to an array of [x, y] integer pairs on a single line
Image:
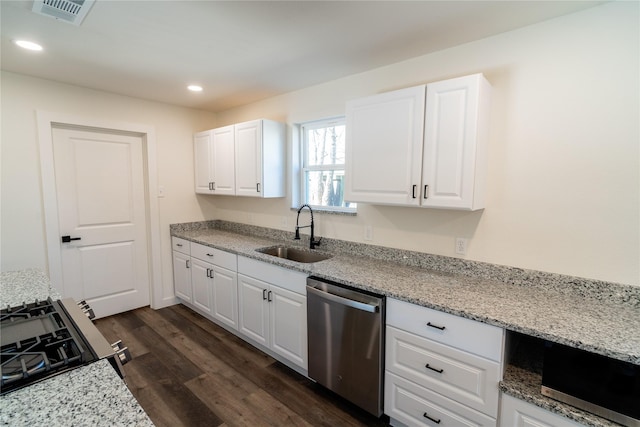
{"points": [[67, 239]]}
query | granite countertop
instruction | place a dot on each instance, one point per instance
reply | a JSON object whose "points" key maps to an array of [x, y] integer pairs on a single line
{"points": [[597, 325], [600, 317], [90, 395]]}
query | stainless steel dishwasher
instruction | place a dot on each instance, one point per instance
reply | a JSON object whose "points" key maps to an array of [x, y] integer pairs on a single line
{"points": [[346, 342]]}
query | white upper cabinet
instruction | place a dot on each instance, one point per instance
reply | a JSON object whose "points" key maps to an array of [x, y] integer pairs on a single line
{"points": [[248, 148], [214, 161], [420, 146], [202, 150], [223, 159], [245, 159], [260, 159], [454, 163], [384, 147]]}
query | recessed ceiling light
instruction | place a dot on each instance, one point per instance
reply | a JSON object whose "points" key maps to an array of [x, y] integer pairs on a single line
{"points": [[194, 88], [28, 45]]}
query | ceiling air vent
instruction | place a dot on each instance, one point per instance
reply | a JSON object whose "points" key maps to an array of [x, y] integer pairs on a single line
{"points": [[71, 11]]}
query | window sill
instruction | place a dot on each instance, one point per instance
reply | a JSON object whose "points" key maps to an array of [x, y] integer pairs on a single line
{"points": [[329, 211]]}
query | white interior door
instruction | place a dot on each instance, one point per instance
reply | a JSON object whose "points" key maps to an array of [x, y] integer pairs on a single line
{"points": [[101, 203]]}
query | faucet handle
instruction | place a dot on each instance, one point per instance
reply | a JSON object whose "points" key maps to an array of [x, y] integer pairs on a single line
{"points": [[314, 243], [297, 237]]}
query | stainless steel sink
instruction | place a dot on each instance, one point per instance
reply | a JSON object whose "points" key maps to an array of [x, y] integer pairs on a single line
{"points": [[294, 254]]}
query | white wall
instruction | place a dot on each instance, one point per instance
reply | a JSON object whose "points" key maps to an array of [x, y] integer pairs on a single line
{"points": [[564, 180], [23, 239], [563, 184]]}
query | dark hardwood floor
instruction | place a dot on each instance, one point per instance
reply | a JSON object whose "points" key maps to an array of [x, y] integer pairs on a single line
{"points": [[186, 371]]}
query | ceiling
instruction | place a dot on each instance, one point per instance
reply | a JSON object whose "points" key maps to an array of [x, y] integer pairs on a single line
{"points": [[244, 51]]}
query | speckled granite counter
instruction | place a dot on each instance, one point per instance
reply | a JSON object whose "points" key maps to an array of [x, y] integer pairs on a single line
{"points": [[93, 395], [600, 317], [21, 286]]}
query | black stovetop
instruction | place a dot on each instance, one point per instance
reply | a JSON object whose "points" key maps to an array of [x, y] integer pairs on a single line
{"points": [[38, 341]]}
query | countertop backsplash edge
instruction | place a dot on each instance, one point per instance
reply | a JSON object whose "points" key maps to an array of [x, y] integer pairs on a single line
{"points": [[600, 290]]}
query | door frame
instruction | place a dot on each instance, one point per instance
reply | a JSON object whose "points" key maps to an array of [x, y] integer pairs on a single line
{"points": [[45, 122]]}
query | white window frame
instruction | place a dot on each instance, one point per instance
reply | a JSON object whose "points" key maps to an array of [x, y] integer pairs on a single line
{"points": [[304, 168]]}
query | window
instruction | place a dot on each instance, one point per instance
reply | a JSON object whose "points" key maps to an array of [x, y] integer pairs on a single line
{"points": [[323, 151]]}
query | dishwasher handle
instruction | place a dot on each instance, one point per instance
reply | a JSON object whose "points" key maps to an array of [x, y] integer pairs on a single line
{"points": [[371, 308]]}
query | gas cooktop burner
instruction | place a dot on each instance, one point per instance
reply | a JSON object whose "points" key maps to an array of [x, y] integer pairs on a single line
{"points": [[37, 340]]}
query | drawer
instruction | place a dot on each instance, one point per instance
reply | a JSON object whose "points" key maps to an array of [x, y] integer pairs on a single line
{"points": [[180, 245], [214, 256], [463, 377], [294, 281], [516, 412], [411, 404], [465, 334]]}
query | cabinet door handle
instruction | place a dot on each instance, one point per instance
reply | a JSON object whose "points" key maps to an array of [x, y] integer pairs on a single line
{"points": [[441, 328], [429, 418], [264, 294], [269, 297], [187, 263], [209, 271], [426, 192], [211, 186], [434, 369], [413, 191], [258, 187]]}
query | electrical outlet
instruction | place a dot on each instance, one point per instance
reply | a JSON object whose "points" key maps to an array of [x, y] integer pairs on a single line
{"points": [[284, 222], [461, 246], [368, 232]]}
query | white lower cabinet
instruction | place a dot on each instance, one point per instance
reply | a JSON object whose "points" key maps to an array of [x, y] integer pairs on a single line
{"points": [[273, 311], [266, 305], [201, 284], [224, 296], [206, 279], [413, 405], [440, 369], [181, 269], [215, 291], [518, 413]]}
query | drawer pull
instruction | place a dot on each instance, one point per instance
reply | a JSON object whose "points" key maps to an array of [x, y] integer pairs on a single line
{"points": [[179, 245], [441, 328], [429, 418], [209, 254], [434, 369]]}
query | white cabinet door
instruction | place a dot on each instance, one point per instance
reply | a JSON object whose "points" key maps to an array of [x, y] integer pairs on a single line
{"points": [[224, 304], [223, 160], [248, 138], [203, 162], [245, 159], [289, 325], [182, 276], [454, 156], [384, 147], [439, 160], [518, 413], [253, 311], [201, 283], [260, 159], [271, 315]]}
